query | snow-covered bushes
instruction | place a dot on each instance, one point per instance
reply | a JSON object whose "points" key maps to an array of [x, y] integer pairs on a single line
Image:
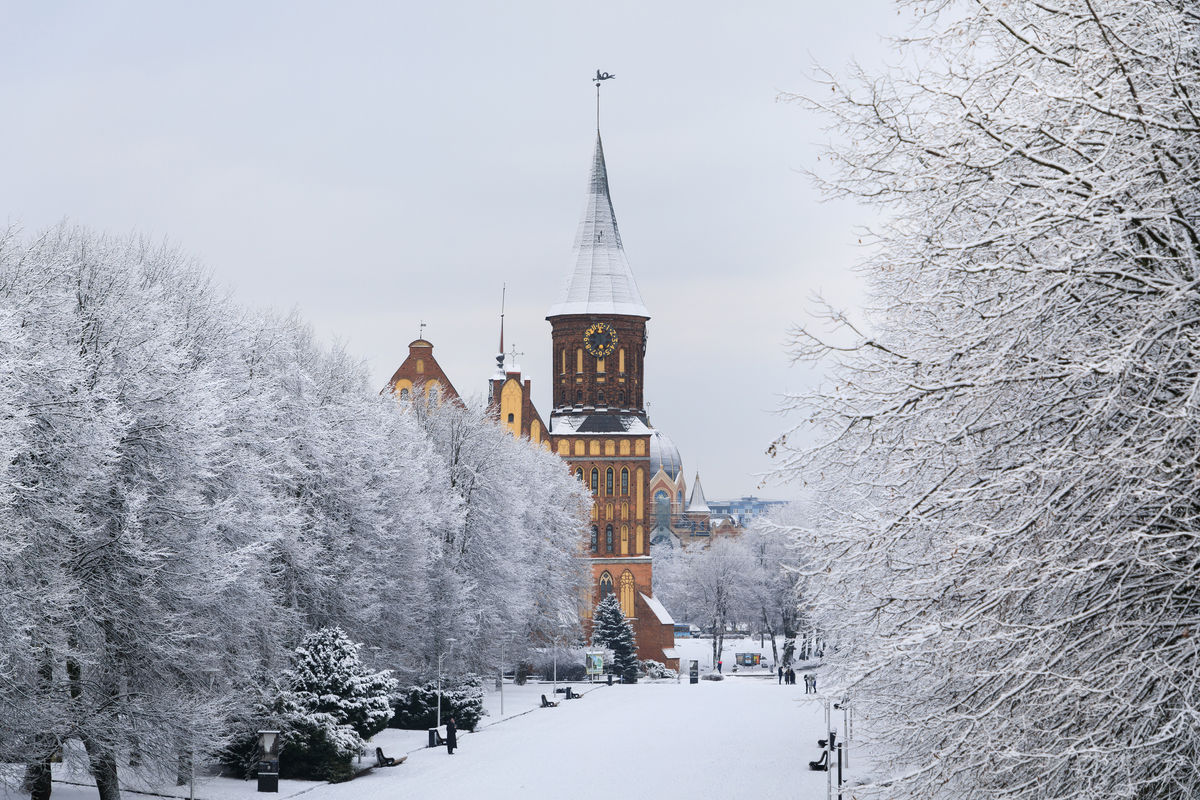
{"points": [[656, 670], [415, 707]]}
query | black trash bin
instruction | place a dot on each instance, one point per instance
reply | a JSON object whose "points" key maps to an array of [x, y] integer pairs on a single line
{"points": [[433, 737], [610, 679]]}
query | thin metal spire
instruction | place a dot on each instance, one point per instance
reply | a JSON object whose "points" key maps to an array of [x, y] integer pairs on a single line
{"points": [[600, 76], [500, 352]]}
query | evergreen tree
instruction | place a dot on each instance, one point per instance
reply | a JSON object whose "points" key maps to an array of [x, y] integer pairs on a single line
{"points": [[611, 629], [327, 677]]}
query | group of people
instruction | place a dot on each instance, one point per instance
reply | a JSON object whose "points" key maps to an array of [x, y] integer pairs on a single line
{"points": [[788, 676]]}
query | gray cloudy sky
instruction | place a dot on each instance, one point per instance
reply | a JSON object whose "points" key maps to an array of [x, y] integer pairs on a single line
{"points": [[373, 165]]}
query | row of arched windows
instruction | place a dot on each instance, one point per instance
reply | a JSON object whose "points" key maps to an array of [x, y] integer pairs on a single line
{"points": [[600, 363], [600, 398], [608, 539], [608, 480]]}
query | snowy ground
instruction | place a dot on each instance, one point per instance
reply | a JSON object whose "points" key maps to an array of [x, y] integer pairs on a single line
{"points": [[744, 737]]}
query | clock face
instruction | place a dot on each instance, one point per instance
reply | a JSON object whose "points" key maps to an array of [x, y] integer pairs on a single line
{"points": [[600, 339]]}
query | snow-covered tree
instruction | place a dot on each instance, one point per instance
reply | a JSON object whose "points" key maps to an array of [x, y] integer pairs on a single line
{"points": [[327, 676], [187, 487], [611, 629], [1007, 447]]}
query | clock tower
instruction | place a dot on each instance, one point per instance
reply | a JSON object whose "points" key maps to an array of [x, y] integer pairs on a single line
{"points": [[599, 423]]}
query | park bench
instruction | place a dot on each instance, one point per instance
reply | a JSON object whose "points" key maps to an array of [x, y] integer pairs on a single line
{"points": [[387, 761], [546, 703]]}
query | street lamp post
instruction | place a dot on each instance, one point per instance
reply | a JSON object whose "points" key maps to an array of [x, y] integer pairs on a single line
{"points": [[450, 642]]}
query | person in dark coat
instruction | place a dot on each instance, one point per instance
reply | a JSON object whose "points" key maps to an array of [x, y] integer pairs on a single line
{"points": [[781, 676], [451, 736]]}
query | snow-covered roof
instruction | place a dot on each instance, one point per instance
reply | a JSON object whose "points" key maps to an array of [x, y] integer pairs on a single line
{"points": [[602, 281], [615, 424], [696, 502], [659, 610], [670, 652]]}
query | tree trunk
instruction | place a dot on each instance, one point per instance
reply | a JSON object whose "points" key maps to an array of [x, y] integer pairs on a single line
{"points": [[104, 770], [37, 771]]}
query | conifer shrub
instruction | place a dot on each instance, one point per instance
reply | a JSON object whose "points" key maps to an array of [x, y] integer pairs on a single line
{"points": [[326, 708], [415, 707]]}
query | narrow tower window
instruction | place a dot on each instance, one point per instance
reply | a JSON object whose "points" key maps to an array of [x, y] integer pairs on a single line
{"points": [[595, 538], [608, 538], [606, 585], [579, 360], [595, 480], [608, 481], [624, 481]]}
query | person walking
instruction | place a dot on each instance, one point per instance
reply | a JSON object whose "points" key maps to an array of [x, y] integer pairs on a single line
{"points": [[451, 736], [781, 676], [718, 667], [791, 676], [813, 681]]}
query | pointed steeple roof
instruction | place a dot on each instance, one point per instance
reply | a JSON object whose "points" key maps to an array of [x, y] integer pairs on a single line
{"points": [[697, 503], [601, 281]]}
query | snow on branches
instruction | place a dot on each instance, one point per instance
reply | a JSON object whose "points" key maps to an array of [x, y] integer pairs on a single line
{"points": [[1008, 448], [188, 488]]}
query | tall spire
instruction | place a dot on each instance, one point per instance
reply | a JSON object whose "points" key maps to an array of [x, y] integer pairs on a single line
{"points": [[697, 503], [602, 281]]}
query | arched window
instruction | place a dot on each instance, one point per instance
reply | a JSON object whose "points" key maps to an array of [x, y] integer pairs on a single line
{"points": [[608, 538], [579, 396], [601, 400], [622, 397], [608, 481], [624, 481], [511, 418], [579, 474], [595, 538], [404, 394], [627, 593], [606, 585], [595, 480], [624, 540]]}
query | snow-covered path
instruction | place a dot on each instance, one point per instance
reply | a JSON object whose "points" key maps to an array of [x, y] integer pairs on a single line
{"points": [[744, 737], [740, 738]]}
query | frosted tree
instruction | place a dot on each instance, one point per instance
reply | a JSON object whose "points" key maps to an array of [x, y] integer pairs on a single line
{"points": [[1007, 446], [327, 676], [611, 629]]}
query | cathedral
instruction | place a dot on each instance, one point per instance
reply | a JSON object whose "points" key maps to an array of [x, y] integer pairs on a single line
{"points": [[598, 423]]}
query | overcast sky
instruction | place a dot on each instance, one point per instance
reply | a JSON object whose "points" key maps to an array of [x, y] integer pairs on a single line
{"points": [[375, 165]]}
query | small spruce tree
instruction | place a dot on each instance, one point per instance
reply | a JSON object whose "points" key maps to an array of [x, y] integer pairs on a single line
{"points": [[328, 677], [611, 629]]}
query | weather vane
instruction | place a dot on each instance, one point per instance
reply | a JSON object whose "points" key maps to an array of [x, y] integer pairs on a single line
{"points": [[600, 76], [422, 334]]}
